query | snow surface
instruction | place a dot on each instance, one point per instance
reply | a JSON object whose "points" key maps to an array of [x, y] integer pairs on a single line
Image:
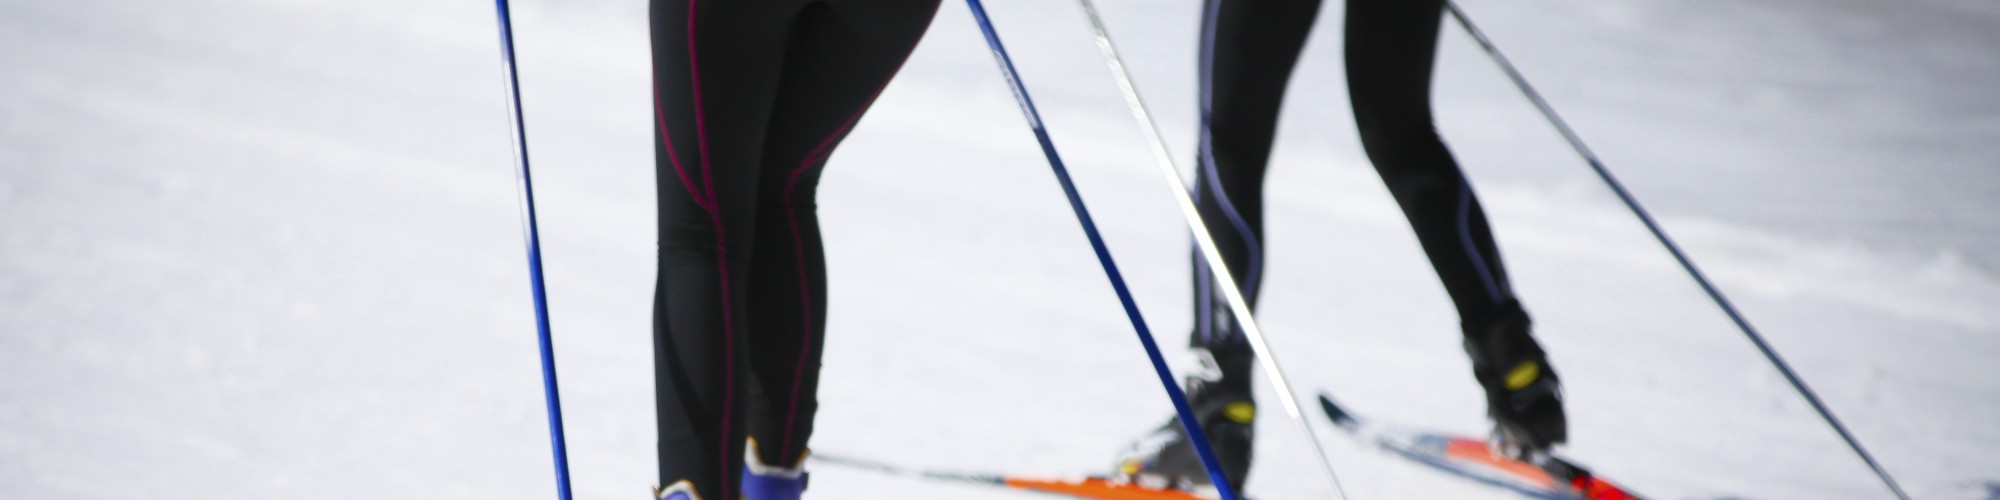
{"points": [[270, 249]]}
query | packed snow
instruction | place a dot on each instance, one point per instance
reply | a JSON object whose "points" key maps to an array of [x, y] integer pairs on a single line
{"points": [[272, 249]]}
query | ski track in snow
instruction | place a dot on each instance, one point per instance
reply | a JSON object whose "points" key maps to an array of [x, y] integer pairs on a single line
{"points": [[271, 249]]}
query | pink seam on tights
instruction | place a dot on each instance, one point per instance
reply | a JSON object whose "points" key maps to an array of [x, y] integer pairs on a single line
{"points": [[721, 255], [660, 115], [799, 255]]}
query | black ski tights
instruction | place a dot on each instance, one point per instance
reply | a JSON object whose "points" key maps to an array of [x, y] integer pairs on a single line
{"points": [[750, 99], [1248, 50]]}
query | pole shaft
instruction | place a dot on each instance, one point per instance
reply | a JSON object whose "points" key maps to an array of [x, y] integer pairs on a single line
{"points": [[1181, 407], [1238, 305], [532, 234], [1715, 294]]}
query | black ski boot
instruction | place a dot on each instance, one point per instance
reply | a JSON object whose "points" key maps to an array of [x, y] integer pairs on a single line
{"points": [[1523, 394], [1166, 458]]}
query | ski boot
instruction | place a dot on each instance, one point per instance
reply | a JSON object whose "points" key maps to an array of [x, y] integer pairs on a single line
{"points": [[765, 482], [1166, 458], [1523, 395], [678, 491]]}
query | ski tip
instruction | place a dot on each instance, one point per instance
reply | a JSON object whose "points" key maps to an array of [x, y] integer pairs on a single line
{"points": [[1592, 488], [1334, 411]]}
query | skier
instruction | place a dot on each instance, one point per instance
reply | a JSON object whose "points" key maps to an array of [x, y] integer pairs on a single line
{"points": [[750, 99], [1248, 50]]}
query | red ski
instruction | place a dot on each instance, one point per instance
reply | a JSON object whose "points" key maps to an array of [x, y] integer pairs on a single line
{"points": [[1090, 488]]}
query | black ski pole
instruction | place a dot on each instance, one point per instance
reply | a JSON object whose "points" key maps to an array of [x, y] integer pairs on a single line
{"points": [[534, 253], [1661, 234]]}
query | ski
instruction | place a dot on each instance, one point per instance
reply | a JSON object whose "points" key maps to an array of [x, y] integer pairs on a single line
{"points": [[1090, 488], [1472, 458]]}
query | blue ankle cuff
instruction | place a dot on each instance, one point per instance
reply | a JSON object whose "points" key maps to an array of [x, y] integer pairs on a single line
{"points": [[773, 487]]}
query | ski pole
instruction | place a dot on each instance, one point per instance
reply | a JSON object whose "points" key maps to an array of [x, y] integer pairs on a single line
{"points": [[1238, 305], [1714, 293], [534, 252], [1181, 407]]}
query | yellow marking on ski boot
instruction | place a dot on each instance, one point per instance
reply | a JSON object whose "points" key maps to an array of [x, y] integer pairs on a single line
{"points": [[1130, 467], [1523, 374], [1241, 412]]}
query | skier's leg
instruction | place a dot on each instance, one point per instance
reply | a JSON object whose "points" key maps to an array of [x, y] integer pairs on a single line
{"points": [[842, 54], [1391, 47], [715, 66], [1248, 50]]}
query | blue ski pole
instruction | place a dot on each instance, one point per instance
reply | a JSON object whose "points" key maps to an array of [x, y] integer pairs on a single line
{"points": [[1181, 407], [534, 253]]}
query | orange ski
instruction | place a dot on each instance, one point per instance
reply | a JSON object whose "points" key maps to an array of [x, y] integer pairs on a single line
{"points": [[1099, 489]]}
